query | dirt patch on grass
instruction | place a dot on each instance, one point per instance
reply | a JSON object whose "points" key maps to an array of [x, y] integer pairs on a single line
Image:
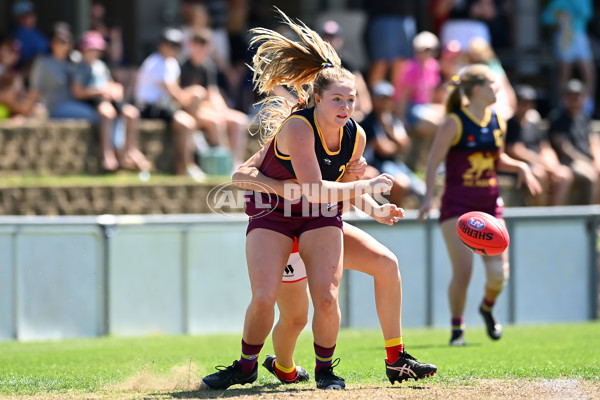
{"points": [[149, 388]]}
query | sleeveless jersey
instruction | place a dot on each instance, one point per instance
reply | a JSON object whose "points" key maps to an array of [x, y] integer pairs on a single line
{"points": [[471, 182], [331, 163]]}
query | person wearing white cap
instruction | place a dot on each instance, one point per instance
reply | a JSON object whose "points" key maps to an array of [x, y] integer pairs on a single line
{"points": [[158, 95]]}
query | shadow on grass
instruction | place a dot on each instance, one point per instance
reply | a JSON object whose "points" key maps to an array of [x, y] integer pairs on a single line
{"points": [[272, 388], [235, 392]]}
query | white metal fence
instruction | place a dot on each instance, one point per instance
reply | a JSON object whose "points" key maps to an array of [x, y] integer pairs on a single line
{"points": [[65, 277]]}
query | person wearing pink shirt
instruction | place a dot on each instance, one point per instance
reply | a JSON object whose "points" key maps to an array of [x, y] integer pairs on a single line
{"points": [[415, 89]]}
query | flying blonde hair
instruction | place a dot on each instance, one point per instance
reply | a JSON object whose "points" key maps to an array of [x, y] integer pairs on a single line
{"points": [[309, 65]]}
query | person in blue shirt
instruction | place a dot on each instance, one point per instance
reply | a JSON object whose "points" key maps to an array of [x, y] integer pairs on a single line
{"points": [[572, 46], [33, 41]]}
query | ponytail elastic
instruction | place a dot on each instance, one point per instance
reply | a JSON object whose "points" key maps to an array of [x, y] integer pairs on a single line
{"points": [[327, 64]]}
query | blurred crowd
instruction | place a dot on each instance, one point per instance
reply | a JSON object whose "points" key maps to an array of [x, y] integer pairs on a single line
{"points": [[198, 82]]}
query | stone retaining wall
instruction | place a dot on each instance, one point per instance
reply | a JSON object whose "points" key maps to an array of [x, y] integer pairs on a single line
{"points": [[70, 147], [97, 200]]}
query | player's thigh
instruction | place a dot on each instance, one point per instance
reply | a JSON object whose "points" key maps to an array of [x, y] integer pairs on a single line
{"points": [[362, 252], [321, 250], [267, 252], [293, 300], [461, 256]]}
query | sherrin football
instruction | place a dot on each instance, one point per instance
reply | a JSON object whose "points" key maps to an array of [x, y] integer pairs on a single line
{"points": [[482, 233]]}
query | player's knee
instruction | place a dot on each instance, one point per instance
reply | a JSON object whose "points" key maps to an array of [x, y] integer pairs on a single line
{"points": [[294, 323], [326, 303], [460, 279], [498, 277], [264, 300], [387, 266]]}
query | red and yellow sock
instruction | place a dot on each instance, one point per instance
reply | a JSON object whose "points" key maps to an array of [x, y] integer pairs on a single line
{"points": [[393, 347], [285, 374]]}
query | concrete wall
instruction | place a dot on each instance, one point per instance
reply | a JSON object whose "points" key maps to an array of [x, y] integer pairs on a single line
{"points": [[63, 277]]}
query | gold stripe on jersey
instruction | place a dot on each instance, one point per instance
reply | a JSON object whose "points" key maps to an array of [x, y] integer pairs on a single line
{"points": [[501, 122], [459, 128], [359, 129], [486, 117], [279, 155]]}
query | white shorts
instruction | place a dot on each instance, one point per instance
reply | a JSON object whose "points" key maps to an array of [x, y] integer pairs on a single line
{"points": [[295, 270], [464, 30]]}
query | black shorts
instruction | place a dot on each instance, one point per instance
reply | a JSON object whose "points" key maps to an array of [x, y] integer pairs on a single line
{"points": [[118, 105], [151, 111]]}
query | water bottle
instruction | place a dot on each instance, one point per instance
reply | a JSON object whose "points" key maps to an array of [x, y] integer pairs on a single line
{"points": [[118, 133]]}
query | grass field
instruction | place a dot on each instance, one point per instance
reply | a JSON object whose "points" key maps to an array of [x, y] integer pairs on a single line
{"points": [[563, 360]]}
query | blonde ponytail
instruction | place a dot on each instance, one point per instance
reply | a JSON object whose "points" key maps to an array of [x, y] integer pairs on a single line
{"points": [[463, 83], [308, 66]]}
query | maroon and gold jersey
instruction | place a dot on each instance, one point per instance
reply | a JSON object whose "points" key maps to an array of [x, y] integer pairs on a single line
{"points": [[471, 181], [331, 163]]}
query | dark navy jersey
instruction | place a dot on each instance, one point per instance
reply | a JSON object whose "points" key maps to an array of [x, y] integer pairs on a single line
{"points": [[471, 180], [332, 163]]}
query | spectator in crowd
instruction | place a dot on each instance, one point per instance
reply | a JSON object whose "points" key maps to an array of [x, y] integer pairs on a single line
{"points": [[575, 144], [114, 54], [238, 12], [33, 41], [207, 14], [438, 10], [50, 77], [389, 32], [415, 88], [93, 84], [480, 51], [465, 20], [572, 43], [159, 95], [16, 101], [387, 144], [451, 60], [331, 32], [527, 141], [222, 125], [112, 34]]}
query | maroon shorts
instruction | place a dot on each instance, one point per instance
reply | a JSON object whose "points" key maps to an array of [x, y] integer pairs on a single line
{"points": [[450, 208], [292, 226]]}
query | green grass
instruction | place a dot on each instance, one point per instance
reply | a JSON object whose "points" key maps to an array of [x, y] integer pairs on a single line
{"points": [[88, 365]]}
